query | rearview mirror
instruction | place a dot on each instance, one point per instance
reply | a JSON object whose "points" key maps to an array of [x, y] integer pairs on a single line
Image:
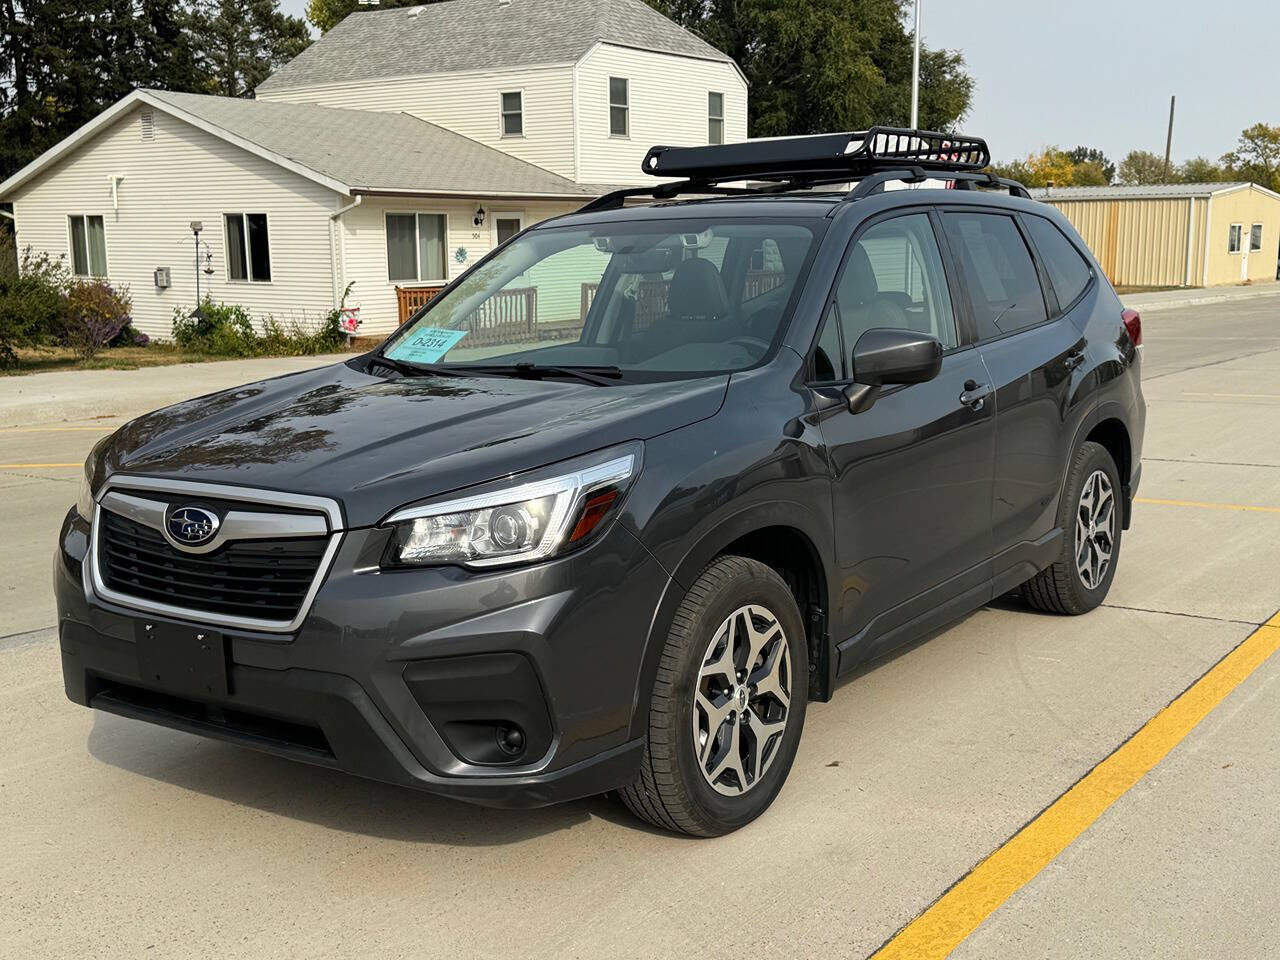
{"points": [[886, 355]]}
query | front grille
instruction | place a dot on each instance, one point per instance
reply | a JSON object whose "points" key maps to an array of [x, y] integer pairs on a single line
{"points": [[259, 579]]}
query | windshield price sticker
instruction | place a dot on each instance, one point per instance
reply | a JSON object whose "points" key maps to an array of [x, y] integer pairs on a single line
{"points": [[426, 345]]}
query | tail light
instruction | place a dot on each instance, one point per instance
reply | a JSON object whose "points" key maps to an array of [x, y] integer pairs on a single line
{"points": [[1133, 324]]}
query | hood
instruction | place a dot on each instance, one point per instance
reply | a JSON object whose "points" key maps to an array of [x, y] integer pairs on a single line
{"points": [[375, 444]]}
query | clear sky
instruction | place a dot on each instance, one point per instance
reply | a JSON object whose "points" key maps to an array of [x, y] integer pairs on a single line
{"points": [[1100, 72]]}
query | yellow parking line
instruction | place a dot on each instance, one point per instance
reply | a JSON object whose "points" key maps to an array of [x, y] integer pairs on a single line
{"points": [[959, 911], [37, 466], [1207, 506]]}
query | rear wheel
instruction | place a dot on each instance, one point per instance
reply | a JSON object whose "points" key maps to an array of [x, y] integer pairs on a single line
{"points": [[728, 704], [1090, 515]]}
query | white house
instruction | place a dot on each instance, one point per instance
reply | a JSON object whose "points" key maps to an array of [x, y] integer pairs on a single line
{"points": [[393, 153]]}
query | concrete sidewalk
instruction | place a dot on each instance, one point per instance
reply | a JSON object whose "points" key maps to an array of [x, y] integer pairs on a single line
{"points": [[64, 395], [1198, 296]]}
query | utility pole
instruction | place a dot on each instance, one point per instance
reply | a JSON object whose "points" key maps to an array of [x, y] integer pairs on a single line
{"points": [[915, 73], [1168, 142]]}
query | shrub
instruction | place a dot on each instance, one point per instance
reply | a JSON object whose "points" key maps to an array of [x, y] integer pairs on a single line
{"points": [[95, 315], [33, 304], [227, 330]]}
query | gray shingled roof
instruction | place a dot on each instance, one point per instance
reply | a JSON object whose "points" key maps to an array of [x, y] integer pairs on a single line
{"points": [[481, 35], [1144, 191], [379, 152]]}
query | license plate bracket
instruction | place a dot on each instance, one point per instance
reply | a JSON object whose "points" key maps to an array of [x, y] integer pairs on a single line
{"points": [[190, 661]]}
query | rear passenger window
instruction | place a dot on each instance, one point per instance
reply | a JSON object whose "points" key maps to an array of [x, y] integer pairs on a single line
{"points": [[893, 277], [1067, 269], [1003, 284]]}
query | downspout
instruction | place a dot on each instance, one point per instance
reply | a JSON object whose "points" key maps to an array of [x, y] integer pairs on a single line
{"points": [[1191, 228], [1208, 238], [6, 213], [333, 246]]}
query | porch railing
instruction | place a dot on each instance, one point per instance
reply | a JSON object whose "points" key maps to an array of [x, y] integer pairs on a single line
{"points": [[411, 299], [509, 316]]}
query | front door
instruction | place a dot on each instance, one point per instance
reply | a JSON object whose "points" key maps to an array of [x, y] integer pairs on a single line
{"points": [[506, 226], [912, 476]]}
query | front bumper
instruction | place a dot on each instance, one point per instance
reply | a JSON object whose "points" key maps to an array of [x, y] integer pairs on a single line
{"points": [[387, 675]]}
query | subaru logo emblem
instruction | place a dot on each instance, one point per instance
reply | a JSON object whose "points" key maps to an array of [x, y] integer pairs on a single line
{"points": [[192, 526]]}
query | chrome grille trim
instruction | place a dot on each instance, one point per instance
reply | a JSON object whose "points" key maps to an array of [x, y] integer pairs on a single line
{"points": [[247, 526]]}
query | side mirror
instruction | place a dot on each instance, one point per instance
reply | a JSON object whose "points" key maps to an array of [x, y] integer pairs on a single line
{"points": [[886, 355]]}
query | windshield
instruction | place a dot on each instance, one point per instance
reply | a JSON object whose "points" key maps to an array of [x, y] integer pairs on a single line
{"points": [[675, 298]]}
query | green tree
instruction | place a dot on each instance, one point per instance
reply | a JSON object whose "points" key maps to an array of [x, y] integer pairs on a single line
{"points": [[240, 42], [1141, 167], [837, 65], [1094, 157], [327, 14], [63, 61], [1053, 166], [1201, 170], [1257, 156]]}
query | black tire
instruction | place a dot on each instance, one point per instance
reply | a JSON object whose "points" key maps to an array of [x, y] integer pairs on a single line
{"points": [[1060, 588], [672, 791]]}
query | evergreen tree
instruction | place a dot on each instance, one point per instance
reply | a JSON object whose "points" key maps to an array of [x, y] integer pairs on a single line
{"points": [[240, 42]]}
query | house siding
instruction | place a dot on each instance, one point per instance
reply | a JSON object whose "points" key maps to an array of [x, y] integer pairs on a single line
{"points": [[468, 103], [364, 246], [668, 105], [180, 175]]}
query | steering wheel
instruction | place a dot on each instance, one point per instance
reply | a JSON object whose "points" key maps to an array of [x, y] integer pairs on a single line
{"points": [[750, 343]]}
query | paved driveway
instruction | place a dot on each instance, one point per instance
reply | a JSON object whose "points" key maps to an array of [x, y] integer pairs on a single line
{"points": [[122, 839]]}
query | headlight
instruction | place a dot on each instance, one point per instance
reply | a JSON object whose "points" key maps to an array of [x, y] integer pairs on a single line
{"points": [[84, 502], [513, 525]]}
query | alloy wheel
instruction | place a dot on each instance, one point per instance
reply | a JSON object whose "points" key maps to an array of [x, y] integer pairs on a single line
{"points": [[1095, 529], [742, 701]]}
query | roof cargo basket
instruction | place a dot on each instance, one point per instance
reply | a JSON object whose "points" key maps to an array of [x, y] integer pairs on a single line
{"points": [[872, 157], [852, 155]]}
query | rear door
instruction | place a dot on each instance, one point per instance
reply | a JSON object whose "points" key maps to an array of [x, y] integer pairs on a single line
{"points": [[1030, 346], [911, 476]]}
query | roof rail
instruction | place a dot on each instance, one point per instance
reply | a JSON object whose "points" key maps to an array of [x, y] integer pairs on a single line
{"points": [[827, 155], [963, 179]]}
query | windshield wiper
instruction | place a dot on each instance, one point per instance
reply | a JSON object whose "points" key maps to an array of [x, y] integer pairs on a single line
{"points": [[599, 376], [408, 369]]}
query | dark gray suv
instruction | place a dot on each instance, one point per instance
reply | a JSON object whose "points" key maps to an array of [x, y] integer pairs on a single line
{"points": [[632, 491]]}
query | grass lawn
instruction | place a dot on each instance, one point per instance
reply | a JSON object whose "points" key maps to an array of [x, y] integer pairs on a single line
{"points": [[1122, 289], [44, 359]]}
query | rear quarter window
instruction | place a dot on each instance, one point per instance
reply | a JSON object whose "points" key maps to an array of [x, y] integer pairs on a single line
{"points": [[1067, 269]]}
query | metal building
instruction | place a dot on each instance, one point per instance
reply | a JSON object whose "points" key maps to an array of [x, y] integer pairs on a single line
{"points": [[1176, 234]]}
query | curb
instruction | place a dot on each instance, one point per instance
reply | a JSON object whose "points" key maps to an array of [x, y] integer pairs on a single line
{"points": [[1194, 300]]}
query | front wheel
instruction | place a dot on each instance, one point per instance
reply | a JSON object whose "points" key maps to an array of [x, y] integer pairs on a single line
{"points": [[728, 704], [1090, 516]]}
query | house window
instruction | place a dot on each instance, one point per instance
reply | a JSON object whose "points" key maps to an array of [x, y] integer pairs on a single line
{"points": [[415, 247], [88, 246], [715, 118], [248, 252], [512, 114], [619, 108], [1233, 239], [1255, 237]]}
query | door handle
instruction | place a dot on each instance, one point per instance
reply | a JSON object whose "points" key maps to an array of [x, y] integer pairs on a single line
{"points": [[974, 394], [1074, 359]]}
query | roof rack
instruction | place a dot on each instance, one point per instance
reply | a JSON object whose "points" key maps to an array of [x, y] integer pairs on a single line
{"points": [[830, 154], [873, 157]]}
